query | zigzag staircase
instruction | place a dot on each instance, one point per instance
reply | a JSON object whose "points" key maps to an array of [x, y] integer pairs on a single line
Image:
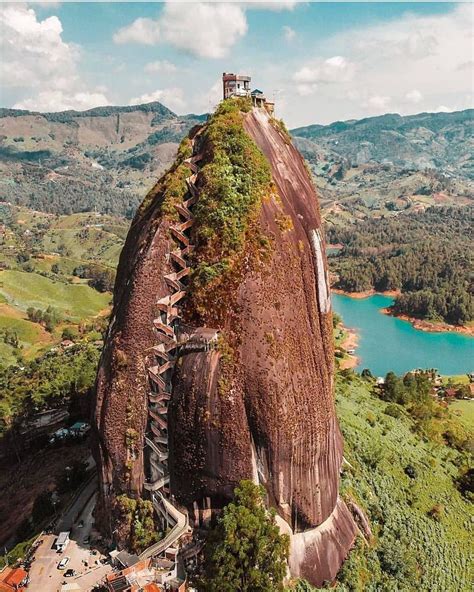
{"points": [[160, 372]]}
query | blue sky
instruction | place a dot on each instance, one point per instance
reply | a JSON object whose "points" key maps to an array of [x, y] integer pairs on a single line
{"points": [[320, 61]]}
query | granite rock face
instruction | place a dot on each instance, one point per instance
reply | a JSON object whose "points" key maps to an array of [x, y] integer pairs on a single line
{"points": [[274, 422]]}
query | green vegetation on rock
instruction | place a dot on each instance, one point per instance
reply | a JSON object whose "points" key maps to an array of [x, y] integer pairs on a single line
{"points": [[136, 516], [234, 180], [246, 551]]}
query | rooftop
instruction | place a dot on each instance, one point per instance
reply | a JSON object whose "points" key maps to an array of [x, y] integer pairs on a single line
{"points": [[11, 578], [127, 559]]}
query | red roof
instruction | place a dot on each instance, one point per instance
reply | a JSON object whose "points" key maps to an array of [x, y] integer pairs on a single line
{"points": [[152, 588], [11, 578]]}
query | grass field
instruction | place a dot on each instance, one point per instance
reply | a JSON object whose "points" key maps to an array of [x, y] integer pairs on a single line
{"points": [[74, 302], [6, 355], [95, 245], [464, 411], [413, 550], [32, 336]]}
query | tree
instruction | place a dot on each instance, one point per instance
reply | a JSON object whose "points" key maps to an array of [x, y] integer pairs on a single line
{"points": [[367, 374], [246, 552], [69, 333], [42, 507]]}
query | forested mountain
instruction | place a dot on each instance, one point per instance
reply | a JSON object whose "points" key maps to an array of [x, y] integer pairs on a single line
{"points": [[104, 159], [423, 141], [427, 255]]}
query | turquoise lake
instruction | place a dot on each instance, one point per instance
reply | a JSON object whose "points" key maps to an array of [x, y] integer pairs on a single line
{"points": [[387, 343]]}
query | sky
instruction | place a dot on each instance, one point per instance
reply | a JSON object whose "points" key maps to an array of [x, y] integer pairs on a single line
{"points": [[320, 62]]}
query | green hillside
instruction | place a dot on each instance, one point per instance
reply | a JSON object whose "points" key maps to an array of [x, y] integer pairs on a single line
{"points": [[422, 525], [75, 302]]}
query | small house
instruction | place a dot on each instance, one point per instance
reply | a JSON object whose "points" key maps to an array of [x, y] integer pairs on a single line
{"points": [[13, 579], [238, 85], [123, 559], [235, 85], [62, 541]]}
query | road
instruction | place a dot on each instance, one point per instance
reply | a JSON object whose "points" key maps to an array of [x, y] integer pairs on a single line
{"points": [[67, 520], [44, 574]]}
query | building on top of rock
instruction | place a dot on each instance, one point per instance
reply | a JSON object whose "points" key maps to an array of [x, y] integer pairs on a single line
{"points": [[235, 85], [238, 85]]}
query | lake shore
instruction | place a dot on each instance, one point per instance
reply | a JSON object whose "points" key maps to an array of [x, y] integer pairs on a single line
{"points": [[350, 341], [419, 324], [430, 326], [366, 293], [387, 343]]}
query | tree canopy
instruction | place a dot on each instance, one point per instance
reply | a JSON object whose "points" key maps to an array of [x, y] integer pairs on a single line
{"points": [[246, 552]]}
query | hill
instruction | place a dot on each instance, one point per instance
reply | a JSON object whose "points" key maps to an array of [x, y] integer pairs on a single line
{"points": [[425, 141], [378, 166], [57, 262], [404, 469], [104, 159]]}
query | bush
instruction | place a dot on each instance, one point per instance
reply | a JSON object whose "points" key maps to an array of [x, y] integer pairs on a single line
{"points": [[42, 507], [69, 333], [465, 484], [245, 551], [137, 516], [393, 410]]}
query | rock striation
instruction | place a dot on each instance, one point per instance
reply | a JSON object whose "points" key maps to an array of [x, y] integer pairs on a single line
{"points": [[251, 383]]}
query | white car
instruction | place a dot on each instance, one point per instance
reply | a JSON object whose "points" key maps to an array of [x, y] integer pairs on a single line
{"points": [[64, 561]]}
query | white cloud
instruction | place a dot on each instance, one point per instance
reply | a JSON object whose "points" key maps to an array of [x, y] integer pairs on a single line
{"points": [[333, 70], [288, 33], [142, 30], [46, 4], [443, 109], [58, 100], [379, 103], [31, 49], [35, 59], [414, 96], [272, 5], [205, 30], [406, 65], [173, 98], [160, 66], [207, 101]]}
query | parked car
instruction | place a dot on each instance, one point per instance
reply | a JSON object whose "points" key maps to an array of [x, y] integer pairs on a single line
{"points": [[64, 561], [87, 540]]}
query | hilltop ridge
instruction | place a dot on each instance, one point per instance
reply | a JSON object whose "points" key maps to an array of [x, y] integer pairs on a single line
{"points": [[107, 158]]}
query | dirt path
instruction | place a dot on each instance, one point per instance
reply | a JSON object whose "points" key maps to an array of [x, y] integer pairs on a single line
{"points": [[366, 293]]}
